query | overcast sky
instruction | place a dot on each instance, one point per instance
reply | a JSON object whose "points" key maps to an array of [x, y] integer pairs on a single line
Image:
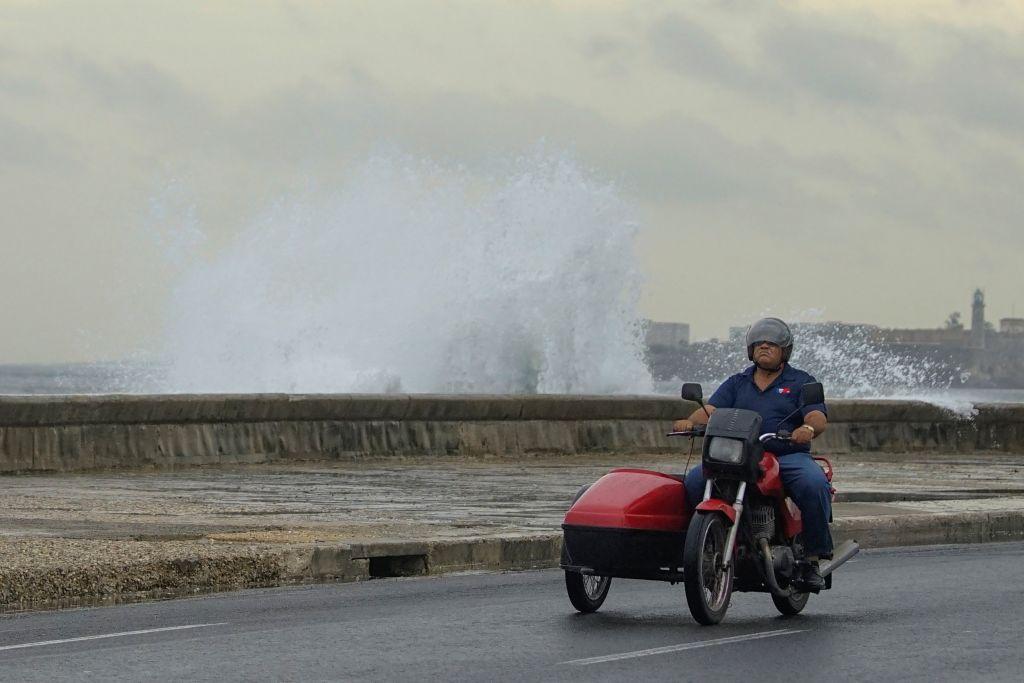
{"points": [[864, 160]]}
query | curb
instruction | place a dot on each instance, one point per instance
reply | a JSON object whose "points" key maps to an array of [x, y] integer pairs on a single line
{"points": [[931, 529], [430, 558], [543, 551], [360, 562]]}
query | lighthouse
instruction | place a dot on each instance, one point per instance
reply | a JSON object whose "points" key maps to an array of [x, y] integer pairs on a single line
{"points": [[978, 320]]}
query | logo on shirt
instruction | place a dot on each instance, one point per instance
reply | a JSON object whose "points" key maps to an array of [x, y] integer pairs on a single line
{"points": [[785, 391]]}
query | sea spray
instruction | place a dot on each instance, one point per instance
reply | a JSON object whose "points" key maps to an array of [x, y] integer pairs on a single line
{"points": [[414, 276], [850, 360], [419, 278], [855, 364]]}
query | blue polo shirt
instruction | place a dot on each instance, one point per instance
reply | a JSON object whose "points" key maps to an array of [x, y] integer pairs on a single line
{"points": [[781, 398]]}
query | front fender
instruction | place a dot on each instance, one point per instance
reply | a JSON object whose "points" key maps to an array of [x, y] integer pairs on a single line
{"points": [[715, 505]]}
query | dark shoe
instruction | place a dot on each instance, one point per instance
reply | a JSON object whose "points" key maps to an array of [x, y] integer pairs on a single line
{"points": [[810, 580]]}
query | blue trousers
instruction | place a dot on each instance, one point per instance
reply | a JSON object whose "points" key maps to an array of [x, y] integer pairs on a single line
{"points": [[805, 483]]}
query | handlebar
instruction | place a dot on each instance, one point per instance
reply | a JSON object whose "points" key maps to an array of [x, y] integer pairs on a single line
{"points": [[698, 431], [778, 436]]}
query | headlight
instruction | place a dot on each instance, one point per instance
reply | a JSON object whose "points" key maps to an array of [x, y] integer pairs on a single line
{"points": [[726, 450]]}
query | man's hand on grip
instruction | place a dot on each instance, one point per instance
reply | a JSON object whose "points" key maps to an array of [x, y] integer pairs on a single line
{"points": [[682, 426]]}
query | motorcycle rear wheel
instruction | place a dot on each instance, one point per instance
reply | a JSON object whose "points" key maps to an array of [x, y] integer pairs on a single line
{"points": [[791, 605], [586, 592], [796, 601], [708, 586]]}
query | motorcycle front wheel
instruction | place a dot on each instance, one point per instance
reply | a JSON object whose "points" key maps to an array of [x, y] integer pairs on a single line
{"points": [[708, 584], [586, 592]]}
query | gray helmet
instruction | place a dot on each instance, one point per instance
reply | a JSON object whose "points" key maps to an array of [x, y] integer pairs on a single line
{"points": [[770, 330]]}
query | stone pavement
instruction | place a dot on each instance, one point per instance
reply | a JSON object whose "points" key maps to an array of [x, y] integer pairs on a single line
{"points": [[70, 529], [403, 500]]}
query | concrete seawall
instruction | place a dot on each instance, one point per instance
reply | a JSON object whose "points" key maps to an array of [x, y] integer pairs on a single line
{"points": [[72, 433]]}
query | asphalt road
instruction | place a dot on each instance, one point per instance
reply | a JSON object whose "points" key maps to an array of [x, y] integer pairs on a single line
{"points": [[939, 613]]}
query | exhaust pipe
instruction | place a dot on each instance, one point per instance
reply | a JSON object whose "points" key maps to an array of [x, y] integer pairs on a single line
{"points": [[843, 553], [769, 570], [839, 557]]}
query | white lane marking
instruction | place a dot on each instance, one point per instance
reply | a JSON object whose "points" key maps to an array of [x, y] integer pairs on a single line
{"points": [[121, 634], [683, 646]]}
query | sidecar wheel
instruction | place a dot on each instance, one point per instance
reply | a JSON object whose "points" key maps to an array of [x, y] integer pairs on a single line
{"points": [[708, 586], [587, 593], [791, 605]]}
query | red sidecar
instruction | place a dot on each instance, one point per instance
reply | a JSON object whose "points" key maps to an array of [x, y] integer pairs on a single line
{"points": [[630, 523]]}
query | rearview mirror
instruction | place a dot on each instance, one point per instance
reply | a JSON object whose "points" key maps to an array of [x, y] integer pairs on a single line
{"points": [[692, 392], [812, 393]]}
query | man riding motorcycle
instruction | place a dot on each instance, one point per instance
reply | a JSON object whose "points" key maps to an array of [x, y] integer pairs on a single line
{"points": [[771, 387]]}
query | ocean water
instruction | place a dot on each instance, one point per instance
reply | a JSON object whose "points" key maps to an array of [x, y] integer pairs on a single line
{"points": [[117, 378]]}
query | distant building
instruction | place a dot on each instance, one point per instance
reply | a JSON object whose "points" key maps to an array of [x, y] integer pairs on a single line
{"points": [[979, 356], [667, 335], [944, 336], [831, 330], [988, 358], [1011, 326], [834, 329]]}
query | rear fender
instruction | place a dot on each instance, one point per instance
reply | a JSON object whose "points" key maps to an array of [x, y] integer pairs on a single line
{"points": [[716, 505]]}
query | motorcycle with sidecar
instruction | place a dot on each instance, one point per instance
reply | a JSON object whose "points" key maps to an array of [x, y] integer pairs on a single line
{"points": [[745, 535]]}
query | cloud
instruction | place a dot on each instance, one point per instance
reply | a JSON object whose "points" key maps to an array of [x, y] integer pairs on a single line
{"points": [[681, 158], [980, 82], [908, 125], [313, 122], [683, 46], [676, 160], [138, 91], [835, 64], [13, 82], [612, 56], [855, 62], [22, 145]]}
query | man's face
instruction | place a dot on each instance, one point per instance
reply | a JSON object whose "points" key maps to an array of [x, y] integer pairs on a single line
{"points": [[767, 356]]}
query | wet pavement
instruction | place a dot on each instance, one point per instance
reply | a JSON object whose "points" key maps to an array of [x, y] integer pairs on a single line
{"points": [[439, 498]]}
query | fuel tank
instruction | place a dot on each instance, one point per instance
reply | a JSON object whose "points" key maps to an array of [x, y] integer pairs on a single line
{"points": [[632, 499]]}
